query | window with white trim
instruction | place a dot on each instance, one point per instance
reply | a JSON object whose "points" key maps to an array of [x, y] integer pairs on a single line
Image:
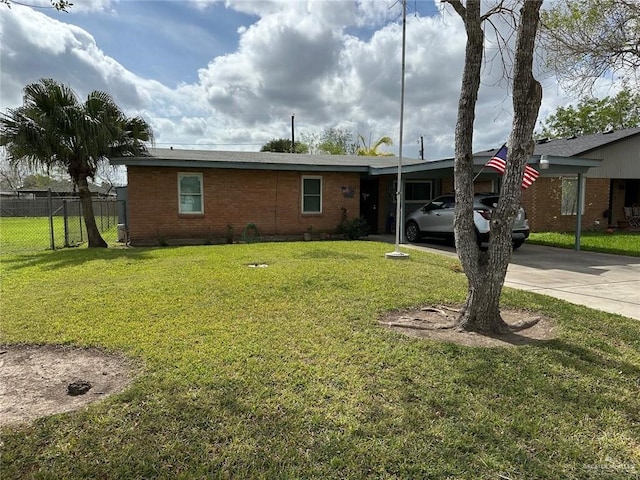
{"points": [[569, 205], [190, 193], [311, 194]]}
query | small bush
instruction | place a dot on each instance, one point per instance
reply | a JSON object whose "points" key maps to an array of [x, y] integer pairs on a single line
{"points": [[354, 228]]}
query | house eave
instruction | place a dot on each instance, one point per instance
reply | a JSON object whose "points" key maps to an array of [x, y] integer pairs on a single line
{"points": [[198, 164]]}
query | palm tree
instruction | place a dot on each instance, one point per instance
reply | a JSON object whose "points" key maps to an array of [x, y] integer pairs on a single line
{"points": [[372, 150], [53, 129]]}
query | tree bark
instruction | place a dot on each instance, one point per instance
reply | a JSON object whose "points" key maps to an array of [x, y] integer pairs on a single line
{"points": [[486, 270], [94, 238]]}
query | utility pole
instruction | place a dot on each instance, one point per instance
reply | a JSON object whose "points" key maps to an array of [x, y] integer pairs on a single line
{"points": [[421, 147], [292, 135]]}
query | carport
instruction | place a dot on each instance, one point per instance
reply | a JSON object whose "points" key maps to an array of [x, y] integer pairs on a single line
{"points": [[441, 171]]}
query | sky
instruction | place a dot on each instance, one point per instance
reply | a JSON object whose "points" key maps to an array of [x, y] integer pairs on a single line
{"points": [[228, 75]]}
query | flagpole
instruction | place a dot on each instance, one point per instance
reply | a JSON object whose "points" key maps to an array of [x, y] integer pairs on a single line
{"points": [[478, 174], [397, 254]]}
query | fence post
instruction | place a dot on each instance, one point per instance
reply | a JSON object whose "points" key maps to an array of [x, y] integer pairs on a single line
{"points": [[65, 215], [80, 220], [50, 207]]}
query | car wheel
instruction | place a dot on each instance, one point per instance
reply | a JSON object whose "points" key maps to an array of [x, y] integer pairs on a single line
{"points": [[517, 244], [412, 232]]}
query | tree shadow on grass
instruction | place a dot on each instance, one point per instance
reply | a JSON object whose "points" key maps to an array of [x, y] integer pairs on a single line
{"points": [[68, 258]]}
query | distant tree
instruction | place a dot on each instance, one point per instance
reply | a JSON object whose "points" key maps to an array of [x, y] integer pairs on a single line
{"points": [[53, 129], [12, 176], [589, 39], [371, 150], [283, 145], [60, 5], [336, 141], [39, 181], [593, 115], [331, 141]]}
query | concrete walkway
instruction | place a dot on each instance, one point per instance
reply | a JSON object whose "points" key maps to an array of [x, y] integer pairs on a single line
{"points": [[597, 280]]}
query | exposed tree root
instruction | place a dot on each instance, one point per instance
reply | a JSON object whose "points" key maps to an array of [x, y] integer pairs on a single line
{"points": [[457, 325], [440, 309], [524, 324], [433, 326]]}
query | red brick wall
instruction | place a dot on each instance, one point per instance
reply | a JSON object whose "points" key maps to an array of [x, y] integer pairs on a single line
{"points": [[269, 199], [542, 201]]}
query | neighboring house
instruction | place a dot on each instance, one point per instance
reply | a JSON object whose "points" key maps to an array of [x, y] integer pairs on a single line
{"points": [[63, 188], [607, 188], [192, 196]]}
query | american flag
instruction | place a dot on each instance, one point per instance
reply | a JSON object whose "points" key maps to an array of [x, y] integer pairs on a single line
{"points": [[499, 162]]}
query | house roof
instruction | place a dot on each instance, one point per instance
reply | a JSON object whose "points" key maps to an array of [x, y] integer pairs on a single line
{"points": [[576, 146], [66, 187], [159, 157], [257, 160]]}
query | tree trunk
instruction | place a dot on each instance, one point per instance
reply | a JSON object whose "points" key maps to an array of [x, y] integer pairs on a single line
{"points": [[486, 270], [93, 234]]}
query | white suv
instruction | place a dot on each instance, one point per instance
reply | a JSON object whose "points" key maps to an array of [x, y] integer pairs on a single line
{"points": [[435, 219]]}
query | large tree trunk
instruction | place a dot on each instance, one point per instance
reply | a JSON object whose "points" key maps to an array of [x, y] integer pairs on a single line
{"points": [[93, 234], [486, 270]]}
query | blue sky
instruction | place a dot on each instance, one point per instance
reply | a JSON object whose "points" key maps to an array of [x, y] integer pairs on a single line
{"points": [[143, 37], [228, 75]]}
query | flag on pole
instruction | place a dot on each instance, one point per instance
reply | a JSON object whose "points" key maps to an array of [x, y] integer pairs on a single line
{"points": [[499, 162]]}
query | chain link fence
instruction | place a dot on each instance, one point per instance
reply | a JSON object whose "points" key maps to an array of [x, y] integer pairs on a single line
{"points": [[54, 222]]}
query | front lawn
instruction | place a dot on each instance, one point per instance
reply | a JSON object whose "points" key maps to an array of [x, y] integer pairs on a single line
{"points": [[284, 372], [619, 242]]}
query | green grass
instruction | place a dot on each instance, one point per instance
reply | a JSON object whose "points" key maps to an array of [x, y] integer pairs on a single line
{"points": [[19, 234], [619, 243], [283, 372]]}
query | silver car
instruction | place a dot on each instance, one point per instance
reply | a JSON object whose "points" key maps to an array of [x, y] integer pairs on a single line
{"points": [[435, 220]]}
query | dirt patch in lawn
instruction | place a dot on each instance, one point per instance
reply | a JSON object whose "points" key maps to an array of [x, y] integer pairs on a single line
{"points": [[429, 323], [36, 381]]}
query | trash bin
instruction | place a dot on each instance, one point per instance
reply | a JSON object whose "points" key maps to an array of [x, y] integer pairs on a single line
{"points": [[122, 233]]}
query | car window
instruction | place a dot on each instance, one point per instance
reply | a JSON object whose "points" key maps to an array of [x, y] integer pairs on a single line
{"points": [[491, 202], [448, 202], [435, 205]]}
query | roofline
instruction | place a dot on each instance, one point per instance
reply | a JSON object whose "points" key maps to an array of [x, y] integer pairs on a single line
{"points": [[576, 164], [159, 162]]}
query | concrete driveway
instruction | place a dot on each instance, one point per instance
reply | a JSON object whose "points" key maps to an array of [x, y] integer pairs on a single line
{"points": [[597, 280]]}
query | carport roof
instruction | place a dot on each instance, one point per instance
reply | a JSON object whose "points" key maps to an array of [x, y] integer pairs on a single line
{"points": [[558, 165]]}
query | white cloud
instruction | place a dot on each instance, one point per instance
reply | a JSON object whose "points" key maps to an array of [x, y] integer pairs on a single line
{"points": [[79, 6], [301, 58]]}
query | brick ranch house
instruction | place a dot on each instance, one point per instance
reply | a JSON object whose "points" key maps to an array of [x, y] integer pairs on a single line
{"points": [[190, 196], [193, 196]]}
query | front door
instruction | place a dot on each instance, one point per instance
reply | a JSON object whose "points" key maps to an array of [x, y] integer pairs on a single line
{"points": [[369, 202]]}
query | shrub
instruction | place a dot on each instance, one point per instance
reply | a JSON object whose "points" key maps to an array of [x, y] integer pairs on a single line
{"points": [[353, 228]]}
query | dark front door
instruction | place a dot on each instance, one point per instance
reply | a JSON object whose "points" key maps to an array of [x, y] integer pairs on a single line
{"points": [[369, 202]]}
